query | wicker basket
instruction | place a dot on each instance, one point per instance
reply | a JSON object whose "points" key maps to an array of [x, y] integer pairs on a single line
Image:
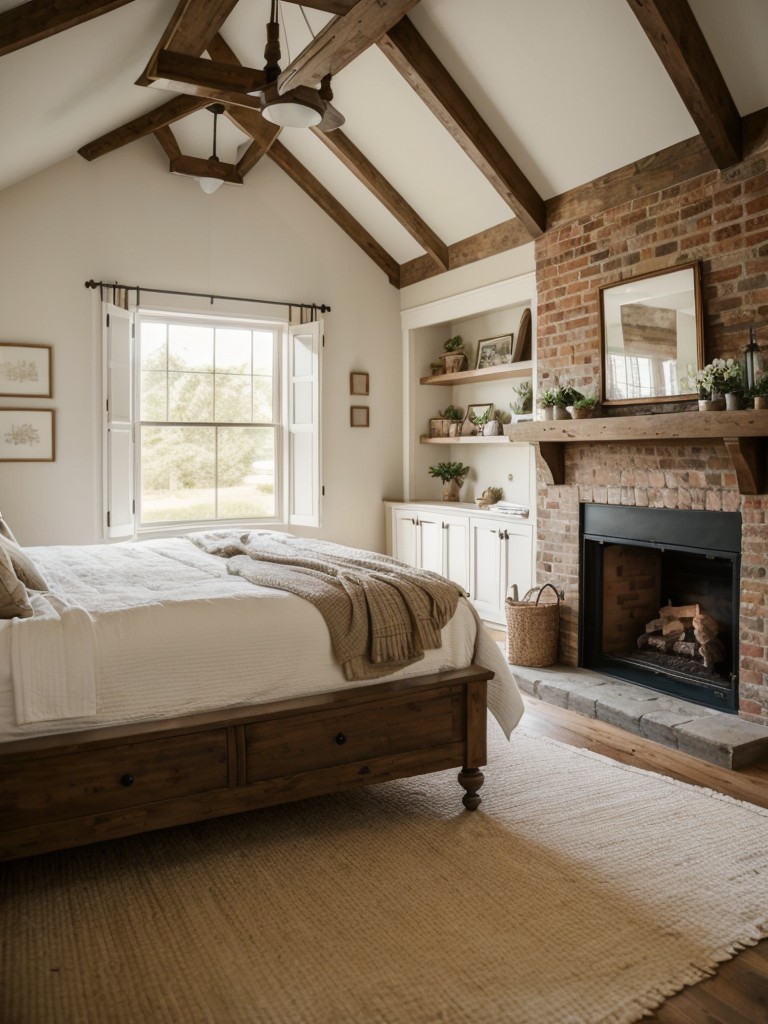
{"points": [[532, 628]]}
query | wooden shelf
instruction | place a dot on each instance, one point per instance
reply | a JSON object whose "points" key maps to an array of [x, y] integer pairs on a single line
{"points": [[507, 371], [478, 439], [744, 435]]}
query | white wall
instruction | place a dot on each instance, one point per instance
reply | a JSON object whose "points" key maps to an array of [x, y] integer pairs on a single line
{"points": [[125, 218]]}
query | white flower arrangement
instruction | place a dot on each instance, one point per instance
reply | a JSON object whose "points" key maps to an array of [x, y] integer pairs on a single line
{"points": [[721, 376]]}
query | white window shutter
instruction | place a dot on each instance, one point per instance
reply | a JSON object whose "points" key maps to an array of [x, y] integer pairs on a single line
{"points": [[118, 338], [303, 384]]}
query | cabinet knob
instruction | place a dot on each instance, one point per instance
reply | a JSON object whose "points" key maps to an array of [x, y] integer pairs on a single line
{"points": [[127, 780], [341, 739]]}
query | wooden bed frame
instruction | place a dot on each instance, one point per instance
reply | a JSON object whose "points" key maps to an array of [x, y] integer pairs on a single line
{"points": [[82, 787]]}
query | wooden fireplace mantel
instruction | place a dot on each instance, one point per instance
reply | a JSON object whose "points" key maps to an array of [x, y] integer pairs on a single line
{"points": [[744, 435]]}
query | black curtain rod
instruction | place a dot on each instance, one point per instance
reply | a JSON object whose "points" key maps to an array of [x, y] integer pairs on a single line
{"points": [[320, 307]]}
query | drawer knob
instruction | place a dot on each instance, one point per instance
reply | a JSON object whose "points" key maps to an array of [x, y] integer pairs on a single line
{"points": [[341, 739], [127, 780]]}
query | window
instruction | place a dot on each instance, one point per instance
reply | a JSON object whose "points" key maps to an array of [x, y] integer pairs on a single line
{"points": [[200, 419]]}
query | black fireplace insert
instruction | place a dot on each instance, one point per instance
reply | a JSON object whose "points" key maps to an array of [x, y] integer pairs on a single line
{"points": [[660, 599]]}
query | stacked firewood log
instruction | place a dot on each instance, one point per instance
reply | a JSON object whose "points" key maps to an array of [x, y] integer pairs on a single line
{"points": [[684, 630]]}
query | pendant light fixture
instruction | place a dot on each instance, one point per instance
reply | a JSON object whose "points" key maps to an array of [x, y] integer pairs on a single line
{"points": [[298, 108], [207, 184]]}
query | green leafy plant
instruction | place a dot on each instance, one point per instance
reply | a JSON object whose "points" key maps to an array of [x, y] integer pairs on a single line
{"points": [[449, 471], [760, 388], [524, 401], [453, 344], [451, 412], [585, 402], [549, 398], [566, 395], [502, 417], [479, 419]]}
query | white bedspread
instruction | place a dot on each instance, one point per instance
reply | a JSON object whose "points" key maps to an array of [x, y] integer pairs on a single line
{"points": [[139, 631]]}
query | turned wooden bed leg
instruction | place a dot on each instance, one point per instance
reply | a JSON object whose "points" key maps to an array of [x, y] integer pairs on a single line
{"points": [[471, 779]]}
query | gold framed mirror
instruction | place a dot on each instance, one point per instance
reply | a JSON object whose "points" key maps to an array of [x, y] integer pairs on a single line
{"points": [[652, 336]]}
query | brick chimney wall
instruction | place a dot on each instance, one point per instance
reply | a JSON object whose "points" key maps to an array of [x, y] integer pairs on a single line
{"points": [[720, 218]]}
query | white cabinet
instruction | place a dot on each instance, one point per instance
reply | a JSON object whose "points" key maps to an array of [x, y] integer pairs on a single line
{"points": [[501, 554], [429, 539], [483, 554]]}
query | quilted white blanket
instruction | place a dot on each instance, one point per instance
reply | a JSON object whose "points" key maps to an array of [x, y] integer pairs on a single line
{"points": [[138, 631]]}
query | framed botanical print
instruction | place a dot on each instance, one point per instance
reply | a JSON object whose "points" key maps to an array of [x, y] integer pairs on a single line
{"points": [[358, 416], [26, 435], [358, 383], [25, 370]]}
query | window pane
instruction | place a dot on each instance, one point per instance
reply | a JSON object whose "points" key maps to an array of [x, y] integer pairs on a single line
{"points": [[263, 352], [190, 397], [246, 464], [153, 401], [190, 347], [178, 466], [233, 398], [233, 351], [263, 407], [154, 352]]}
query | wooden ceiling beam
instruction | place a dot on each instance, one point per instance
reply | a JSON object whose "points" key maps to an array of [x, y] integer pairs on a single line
{"points": [[343, 147], [195, 167], [215, 81], [330, 6], [343, 39], [39, 19], [190, 30], [145, 124], [497, 239], [167, 140], [287, 162], [417, 63], [680, 44]]}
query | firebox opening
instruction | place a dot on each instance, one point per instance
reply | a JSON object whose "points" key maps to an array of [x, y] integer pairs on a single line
{"points": [[657, 609]]}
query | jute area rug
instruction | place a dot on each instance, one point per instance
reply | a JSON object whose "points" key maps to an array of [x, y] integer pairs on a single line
{"points": [[582, 891]]}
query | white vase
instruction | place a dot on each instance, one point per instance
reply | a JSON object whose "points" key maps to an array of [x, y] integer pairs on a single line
{"points": [[561, 413]]}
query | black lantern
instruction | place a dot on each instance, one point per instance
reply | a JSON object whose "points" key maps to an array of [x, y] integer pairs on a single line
{"points": [[751, 359]]}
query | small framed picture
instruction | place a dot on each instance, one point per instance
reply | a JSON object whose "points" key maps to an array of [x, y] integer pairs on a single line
{"points": [[358, 416], [26, 435], [479, 414], [25, 370], [358, 383], [494, 351]]}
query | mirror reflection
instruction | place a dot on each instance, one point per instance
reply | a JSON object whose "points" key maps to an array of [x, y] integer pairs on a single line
{"points": [[652, 336]]}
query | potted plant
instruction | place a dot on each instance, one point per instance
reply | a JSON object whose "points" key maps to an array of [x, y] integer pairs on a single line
{"points": [[454, 357], [758, 393], [452, 475], [522, 406], [500, 419], [584, 407], [548, 401], [565, 395], [730, 382], [479, 420], [706, 381], [455, 417]]}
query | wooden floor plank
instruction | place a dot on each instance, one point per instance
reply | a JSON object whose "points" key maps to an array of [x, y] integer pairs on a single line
{"points": [[738, 993]]}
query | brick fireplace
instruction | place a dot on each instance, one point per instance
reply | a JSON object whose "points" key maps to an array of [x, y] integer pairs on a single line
{"points": [[720, 218]]}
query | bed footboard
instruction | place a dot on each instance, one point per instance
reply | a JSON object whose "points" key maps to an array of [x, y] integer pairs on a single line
{"points": [[68, 790]]}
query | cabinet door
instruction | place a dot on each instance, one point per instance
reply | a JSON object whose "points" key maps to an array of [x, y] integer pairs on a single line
{"points": [[488, 568], [518, 560], [430, 543], [404, 535], [456, 550]]}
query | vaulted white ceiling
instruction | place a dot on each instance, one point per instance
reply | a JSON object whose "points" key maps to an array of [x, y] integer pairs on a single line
{"points": [[573, 90]]}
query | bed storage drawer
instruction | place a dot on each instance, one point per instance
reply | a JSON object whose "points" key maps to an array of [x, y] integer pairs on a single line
{"points": [[284, 746], [105, 778]]}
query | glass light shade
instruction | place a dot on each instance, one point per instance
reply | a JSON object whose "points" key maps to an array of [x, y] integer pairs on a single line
{"points": [[209, 185], [290, 114]]}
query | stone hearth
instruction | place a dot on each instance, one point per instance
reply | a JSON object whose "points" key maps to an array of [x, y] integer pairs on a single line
{"points": [[710, 735]]}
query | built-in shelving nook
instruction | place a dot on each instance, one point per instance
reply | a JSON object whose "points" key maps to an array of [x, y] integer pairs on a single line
{"points": [[484, 313]]}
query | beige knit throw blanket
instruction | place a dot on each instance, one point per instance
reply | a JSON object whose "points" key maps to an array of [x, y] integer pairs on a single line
{"points": [[381, 614]]}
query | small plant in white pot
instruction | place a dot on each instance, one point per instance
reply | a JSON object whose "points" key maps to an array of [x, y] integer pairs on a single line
{"points": [[453, 475]]}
